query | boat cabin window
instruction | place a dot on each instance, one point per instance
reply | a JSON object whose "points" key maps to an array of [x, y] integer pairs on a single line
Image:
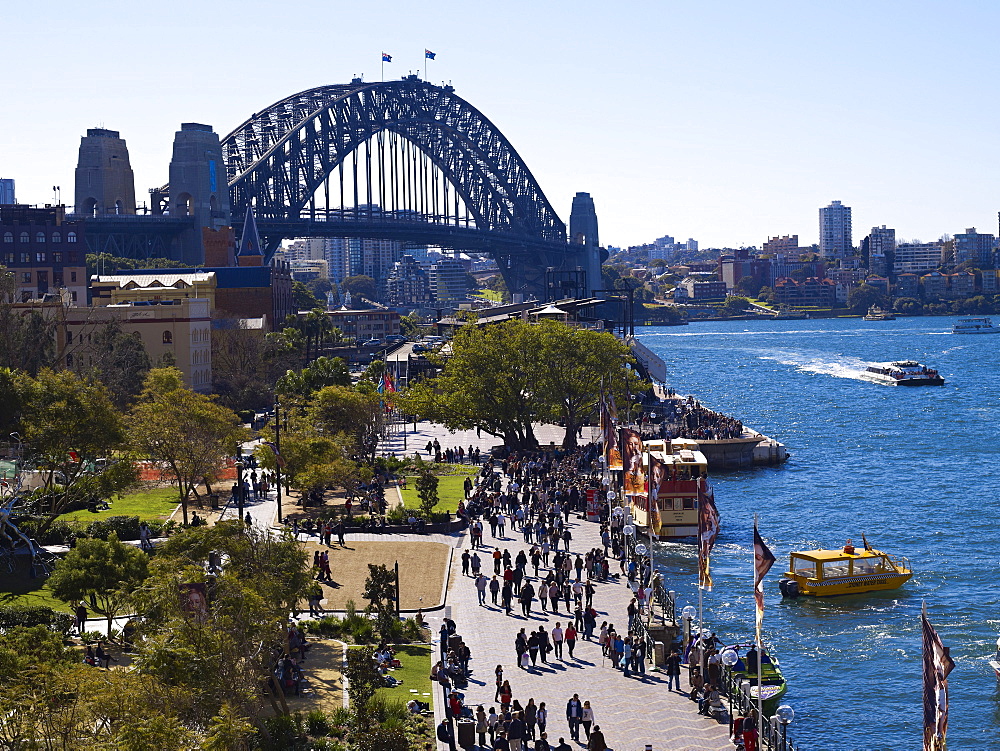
{"points": [[802, 567], [688, 504], [833, 569], [867, 566]]}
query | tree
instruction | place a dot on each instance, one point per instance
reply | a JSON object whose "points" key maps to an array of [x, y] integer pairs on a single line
{"points": [[322, 372], [363, 678], [488, 383], [302, 298], [380, 591], [187, 432], [427, 491], [360, 286], [120, 361], [314, 461], [341, 409], [576, 363], [501, 379], [105, 572], [220, 650], [27, 338], [735, 306], [862, 297], [68, 423], [748, 286], [908, 306], [245, 364]]}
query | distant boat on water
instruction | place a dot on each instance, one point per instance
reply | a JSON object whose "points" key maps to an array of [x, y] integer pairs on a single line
{"points": [[974, 326], [875, 313]]}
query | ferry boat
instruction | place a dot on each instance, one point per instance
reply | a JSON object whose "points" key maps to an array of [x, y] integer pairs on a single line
{"points": [[974, 326], [772, 682], [902, 373], [823, 573], [875, 313], [677, 500]]}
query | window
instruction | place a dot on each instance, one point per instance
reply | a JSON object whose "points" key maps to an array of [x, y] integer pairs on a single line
{"points": [[73, 293], [25, 257], [57, 258], [24, 237], [71, 237], [40, 237], [72, 278], [8, 237], [39, 258], [168, 338], [8, 258], [26, 277], [688, 504], [802, 567], [56, 237]]}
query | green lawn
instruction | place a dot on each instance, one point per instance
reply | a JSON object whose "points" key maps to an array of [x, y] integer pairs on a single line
{"points": [[20, 589], [415, 674], [451, 490], [158, 503]]}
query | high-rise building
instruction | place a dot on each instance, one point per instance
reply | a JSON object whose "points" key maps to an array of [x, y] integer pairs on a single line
{"points": [[879, 248], [408, 283], [975, 248], [917, 257], [104, 180], [784, 245], [45, 252], [835, 231], [448, 280], [7, 191]]}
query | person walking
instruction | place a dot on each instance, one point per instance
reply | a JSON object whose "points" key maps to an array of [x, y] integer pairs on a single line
{"points": [[494, 589], [570, 636], [574, 714], [481, 584], [541, 718], [597, 742], [526, 596], [587, 718], [466, 560], [499, 678], [673, 666], [557, 640], [530, 719], [482, 727]]}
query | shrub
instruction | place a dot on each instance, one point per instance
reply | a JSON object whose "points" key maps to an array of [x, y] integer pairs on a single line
{"points": [[126, 527], [382, 739], [35, 615], [317, 723], [364, 631], [412, 630]]}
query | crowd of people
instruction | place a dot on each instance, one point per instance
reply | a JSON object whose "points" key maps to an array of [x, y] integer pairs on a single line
{"points": [[687, 418]]}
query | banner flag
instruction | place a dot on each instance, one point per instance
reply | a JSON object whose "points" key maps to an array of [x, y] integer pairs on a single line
{"points": [[657, 474], [937, 665], [631, 453], [708, 532], [763, 559]]}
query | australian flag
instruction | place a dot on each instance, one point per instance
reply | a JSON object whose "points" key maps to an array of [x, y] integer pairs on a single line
{"points": [[386, 57], [429, 55]]}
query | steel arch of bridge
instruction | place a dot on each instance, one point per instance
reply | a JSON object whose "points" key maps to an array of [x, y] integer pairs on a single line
{"points": [[280, 157]]}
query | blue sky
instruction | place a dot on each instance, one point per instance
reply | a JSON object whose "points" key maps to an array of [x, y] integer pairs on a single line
{"points": [[723, 121]]}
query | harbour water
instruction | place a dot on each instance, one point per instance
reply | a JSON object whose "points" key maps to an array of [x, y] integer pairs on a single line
{"points": [[913, 468]]}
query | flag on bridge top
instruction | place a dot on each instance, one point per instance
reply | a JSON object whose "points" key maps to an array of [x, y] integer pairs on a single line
{"points": [[429, 55], [386, 57]]}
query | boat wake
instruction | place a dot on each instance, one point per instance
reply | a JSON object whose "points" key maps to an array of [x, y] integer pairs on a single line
{"points": [[821, 364]]}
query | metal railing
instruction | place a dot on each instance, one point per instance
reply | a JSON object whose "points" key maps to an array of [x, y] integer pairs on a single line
{"points": [[774, 735]]}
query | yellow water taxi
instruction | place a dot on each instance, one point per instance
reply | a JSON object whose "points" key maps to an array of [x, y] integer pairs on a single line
{"points": [[823, 573]]}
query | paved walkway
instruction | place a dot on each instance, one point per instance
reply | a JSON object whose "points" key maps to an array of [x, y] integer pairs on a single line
{"points": [[632, 712]]}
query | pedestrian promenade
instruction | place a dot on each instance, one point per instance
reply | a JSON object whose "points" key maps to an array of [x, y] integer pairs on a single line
{"points": [[632, 712]]}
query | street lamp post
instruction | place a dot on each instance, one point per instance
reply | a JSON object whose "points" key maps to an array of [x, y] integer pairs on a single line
{"points": [[239, 482], [277, 458], [785, 715], [729, 658]]}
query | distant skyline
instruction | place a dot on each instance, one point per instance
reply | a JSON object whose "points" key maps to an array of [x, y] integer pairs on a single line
{"points": [[726, 122]]}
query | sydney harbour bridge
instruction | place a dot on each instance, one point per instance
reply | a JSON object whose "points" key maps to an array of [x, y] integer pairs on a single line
{"points": [[398, 160]]}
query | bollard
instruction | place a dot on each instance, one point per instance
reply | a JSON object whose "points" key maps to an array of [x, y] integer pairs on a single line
{"points": [[649, 747]]}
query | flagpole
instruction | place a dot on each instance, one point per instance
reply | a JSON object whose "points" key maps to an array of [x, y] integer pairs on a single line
{"points": [[760, 654]]}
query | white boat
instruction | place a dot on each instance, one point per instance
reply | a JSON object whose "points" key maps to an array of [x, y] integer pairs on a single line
{"points": [[974, 326], [902, 373], [875, 313]]}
